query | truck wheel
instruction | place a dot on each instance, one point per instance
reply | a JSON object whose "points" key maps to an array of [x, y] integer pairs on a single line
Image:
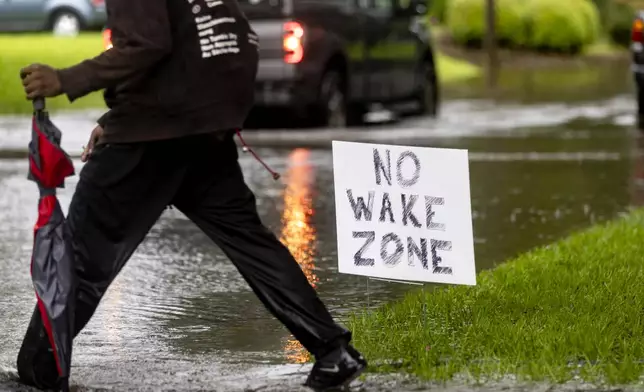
{"points": [[427, 96], [331, 110], [66, 23], [355, 114]]}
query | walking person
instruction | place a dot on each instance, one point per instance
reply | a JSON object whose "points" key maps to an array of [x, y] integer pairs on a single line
{"points": [[179, 83]]}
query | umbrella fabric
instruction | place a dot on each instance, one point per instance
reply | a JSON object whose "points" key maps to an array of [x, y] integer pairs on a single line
{"points": [[52, 270]]}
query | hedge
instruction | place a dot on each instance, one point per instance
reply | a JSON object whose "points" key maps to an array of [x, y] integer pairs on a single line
{"points": [[548, 25], [620, 22], [617, 18], [511, 26], [593, 26], [466, 21], [438, 9], [557, 25]]}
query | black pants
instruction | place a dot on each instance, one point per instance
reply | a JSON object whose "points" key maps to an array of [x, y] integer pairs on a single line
{"points": [[124, 188]]}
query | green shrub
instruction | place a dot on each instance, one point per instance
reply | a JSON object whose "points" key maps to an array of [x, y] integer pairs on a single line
{"points": [[511, 27], [556, 25], [466, 22], [590, 13], [602, 6], [620, 21], [438, 9], [548, 25]]}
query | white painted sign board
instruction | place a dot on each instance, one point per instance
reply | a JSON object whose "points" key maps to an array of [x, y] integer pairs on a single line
{"points": [[404, 213]]}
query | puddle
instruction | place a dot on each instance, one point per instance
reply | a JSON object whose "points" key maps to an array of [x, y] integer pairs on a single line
{"points": [[180, 317]]}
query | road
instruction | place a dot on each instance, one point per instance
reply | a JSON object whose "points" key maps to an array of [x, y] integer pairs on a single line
{"points": [[181, 318]]}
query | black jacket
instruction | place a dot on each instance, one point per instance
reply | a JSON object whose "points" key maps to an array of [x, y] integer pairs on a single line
{"points": [[177, 67]]}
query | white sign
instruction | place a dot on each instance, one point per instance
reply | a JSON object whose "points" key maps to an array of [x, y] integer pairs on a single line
{"points": [[404, 213]]}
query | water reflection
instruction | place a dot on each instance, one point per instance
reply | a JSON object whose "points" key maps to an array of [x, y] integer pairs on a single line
{"points": [[571, 82], [113, 321], [297, 233]]}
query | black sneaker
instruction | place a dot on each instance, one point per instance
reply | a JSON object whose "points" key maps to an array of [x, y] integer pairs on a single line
{"points": [[336, 369]]}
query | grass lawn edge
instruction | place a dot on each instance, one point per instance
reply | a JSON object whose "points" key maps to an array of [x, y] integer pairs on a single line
{"points": [[605, 48], [568, 311], [454, 70]]}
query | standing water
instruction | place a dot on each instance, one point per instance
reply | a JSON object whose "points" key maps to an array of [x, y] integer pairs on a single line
{"points": [[180, 317]]}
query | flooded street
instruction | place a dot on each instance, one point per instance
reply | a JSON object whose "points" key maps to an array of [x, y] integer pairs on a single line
{"points": [[180, 317]]}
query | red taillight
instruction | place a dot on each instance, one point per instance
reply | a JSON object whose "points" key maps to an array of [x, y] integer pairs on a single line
{"points": [[98, 3], [637, 34], [293, 34], [107, 39]]}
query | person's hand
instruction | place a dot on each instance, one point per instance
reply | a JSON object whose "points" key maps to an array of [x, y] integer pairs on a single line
{"points": [[93, 139], [40, 81]]}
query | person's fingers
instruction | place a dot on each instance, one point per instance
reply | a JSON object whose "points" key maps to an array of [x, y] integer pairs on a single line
{"points": [[26, 71], [93, 138], [30, 78], [33, 87], [33, 95], [34, 90]]}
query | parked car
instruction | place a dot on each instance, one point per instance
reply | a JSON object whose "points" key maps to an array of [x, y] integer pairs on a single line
{"points": [[63, 17], [637, 52], [329, 60]]}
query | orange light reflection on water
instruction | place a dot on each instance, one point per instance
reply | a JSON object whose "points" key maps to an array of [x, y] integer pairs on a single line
{"points": [[297, 233]]}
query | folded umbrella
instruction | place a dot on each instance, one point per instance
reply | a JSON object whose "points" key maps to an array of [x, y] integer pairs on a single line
{"points": [[52, 270]]}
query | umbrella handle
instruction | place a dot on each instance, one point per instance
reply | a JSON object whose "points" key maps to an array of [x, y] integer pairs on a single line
{"points": [[39, 104]]}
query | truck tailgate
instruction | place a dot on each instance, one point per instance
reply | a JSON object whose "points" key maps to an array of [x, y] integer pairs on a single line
{"points": [[271, 52]]}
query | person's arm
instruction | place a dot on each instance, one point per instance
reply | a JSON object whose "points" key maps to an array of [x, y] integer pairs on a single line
{"points": [[141, 29]]}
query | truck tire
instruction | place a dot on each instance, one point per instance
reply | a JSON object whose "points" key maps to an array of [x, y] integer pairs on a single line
{"points": [[427, 93], [331, 109]]}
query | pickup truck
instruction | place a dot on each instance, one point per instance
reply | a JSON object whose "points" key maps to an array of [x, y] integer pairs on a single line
{"points": [[328, 60]]}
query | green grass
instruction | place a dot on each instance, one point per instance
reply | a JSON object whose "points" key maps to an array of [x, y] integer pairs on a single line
{"points": [[571, 308], [452, 70], [604, 47], [17, 51]]}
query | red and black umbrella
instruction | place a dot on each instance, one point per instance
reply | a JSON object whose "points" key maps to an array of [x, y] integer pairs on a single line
{"points": [[52, 269]]}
